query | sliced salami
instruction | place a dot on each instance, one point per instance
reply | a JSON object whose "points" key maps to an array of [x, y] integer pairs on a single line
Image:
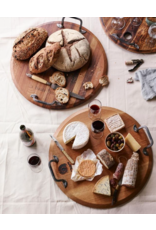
{"points": [[119, 171]]}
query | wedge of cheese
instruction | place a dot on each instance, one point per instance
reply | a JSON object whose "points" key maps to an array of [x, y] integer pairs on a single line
{"points": [[102, 186], [78, 132], [132, 143]]}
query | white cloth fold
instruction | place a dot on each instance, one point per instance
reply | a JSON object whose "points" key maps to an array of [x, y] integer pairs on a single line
{"points": [[147, 79]]}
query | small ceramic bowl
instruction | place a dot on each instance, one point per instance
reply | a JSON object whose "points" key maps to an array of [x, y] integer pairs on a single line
{"points": [[115, 141], [149, 22]]}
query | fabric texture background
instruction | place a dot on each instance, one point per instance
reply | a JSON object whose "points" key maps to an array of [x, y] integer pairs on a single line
{"points": [[21, 190]]}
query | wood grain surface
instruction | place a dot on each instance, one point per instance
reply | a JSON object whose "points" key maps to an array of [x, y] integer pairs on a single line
{"points": [[139, 34], [81, 192], [92, 71]]}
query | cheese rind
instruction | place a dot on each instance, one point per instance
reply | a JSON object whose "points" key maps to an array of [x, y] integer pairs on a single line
{"points": [[132, 143], [78, 130], [102, 186], [114, 123]]}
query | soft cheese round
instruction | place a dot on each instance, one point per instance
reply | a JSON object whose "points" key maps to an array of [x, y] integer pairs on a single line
{"points": [[75, 49], [78, 130]]}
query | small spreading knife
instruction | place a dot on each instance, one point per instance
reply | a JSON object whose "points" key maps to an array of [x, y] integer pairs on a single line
{"points": [[62, 149], [115, 194], [53, 86]]}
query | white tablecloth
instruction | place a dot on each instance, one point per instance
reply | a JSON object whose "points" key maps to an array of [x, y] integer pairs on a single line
{"points": [[21, 190]]}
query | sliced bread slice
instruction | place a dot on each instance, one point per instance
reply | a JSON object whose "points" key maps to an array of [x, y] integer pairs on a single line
{"points": [[62, 90], [62, 95], [58, 78], [62, 98]]}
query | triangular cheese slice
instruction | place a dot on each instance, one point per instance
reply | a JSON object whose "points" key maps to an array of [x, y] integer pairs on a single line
{"points": [[102, 186]]}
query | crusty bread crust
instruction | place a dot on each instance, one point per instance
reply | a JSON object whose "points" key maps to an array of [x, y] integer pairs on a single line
{"points": [[27, 43], [44, 59]]}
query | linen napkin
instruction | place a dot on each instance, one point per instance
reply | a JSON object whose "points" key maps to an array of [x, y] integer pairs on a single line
{"points": [[147, 78]]}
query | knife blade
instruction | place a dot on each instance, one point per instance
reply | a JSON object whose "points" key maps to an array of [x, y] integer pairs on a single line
{"points": [[53, 86], [115, 194], [62, 149]]}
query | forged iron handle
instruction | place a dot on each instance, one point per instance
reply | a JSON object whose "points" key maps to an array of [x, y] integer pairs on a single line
{"points": [[55, 159], [80, 28], [149, 136], [35, 98]]}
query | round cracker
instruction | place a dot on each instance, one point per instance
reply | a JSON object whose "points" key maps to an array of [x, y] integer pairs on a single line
{"points": [[87, 168]]}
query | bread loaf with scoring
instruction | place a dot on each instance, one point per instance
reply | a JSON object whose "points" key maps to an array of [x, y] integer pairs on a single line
{"points": [[44, 59], [75, 49], [27, 43]]}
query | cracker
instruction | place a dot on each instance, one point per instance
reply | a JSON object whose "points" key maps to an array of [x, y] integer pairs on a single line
{"points": [[87, 168]]}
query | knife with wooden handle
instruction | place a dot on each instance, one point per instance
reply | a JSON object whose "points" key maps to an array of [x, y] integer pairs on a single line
{"points": [[41, 80], [62, 149], [53, 86]]}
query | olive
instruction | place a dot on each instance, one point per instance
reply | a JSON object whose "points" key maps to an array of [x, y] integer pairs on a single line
{"points": [[112, 145], [121, 145], [112, 135], [119, 142], [116, 135], [108, 138], [108, 143], [117, 145], [120, 137]]}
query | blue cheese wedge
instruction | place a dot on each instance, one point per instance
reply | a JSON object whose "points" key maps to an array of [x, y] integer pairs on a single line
{"points": [[102, 186]]}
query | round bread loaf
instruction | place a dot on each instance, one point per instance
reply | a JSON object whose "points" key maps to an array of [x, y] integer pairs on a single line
{"points": [[75, 49]]}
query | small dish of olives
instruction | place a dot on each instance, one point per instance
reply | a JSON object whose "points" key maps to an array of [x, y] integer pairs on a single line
{"points": [[115, 142]]}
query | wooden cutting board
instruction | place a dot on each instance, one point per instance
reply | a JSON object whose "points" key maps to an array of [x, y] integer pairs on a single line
{"points": [[81, 192], [139, 35], [92, 71]]}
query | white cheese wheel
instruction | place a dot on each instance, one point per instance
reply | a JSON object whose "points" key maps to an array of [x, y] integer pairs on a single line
{"points": [[79, 132]]}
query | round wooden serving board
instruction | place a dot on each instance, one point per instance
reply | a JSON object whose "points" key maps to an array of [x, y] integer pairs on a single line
{"points": [[92, 71], [139, 34], [81, 192]]}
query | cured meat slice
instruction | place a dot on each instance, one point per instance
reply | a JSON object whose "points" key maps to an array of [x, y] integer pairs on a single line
{"points": [[119, 171]]}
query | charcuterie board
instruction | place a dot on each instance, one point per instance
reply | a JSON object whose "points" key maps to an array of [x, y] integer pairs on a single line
{"points": [[92, 71], [136, 34], [81, 192]]}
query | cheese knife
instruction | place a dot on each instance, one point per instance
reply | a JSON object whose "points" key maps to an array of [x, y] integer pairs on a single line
{"points": [[62, 149], [53, 86], [115, 194], [126, 42]]}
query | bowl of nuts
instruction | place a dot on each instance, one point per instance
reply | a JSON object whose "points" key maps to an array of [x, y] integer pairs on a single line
{"points": [[115, 142]]}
